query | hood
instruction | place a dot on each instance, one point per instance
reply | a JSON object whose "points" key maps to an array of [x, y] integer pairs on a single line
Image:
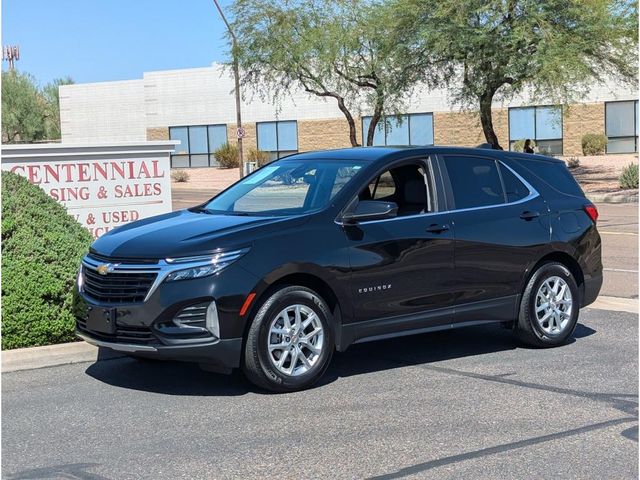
{"points": [[186, 233]]}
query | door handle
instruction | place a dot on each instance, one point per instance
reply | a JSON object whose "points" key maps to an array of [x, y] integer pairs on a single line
{"points": [[527, 215], [437, 228]]}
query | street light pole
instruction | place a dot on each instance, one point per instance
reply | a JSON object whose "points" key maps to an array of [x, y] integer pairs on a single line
{"points": [[236, 74]]}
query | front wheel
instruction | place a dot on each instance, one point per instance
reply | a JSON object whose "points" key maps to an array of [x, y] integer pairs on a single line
{"points": [[290, 341], [549, 307]]}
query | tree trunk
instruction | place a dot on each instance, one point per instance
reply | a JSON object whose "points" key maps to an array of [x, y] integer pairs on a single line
{"points": [[486, 120], [353, 133], [375, 118]]}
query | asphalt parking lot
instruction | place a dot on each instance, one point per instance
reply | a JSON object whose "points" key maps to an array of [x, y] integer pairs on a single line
{"points": [[460, 404], [471, 403]]}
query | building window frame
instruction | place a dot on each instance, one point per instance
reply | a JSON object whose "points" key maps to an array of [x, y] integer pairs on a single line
{"points": [[635, 125], [408, 120], [211, 162], [277, 154], [535, 126]]}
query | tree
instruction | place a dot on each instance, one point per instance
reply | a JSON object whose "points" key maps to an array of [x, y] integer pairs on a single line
{"points": [[552, 49], [51, 96], [335, 49], [22, 108], [30, 114]]}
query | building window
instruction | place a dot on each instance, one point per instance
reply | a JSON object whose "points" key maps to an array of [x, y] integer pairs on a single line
{"points": [[197, 144], [541, 124], [279, 139], [621, 126], [413, 129]]}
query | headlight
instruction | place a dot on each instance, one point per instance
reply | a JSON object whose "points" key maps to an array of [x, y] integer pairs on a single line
{"points": [[202, 266]]}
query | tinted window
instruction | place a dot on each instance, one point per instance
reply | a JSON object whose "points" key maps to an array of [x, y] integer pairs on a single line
{"points": [[556, 175], [513, 187], [475, 181]]}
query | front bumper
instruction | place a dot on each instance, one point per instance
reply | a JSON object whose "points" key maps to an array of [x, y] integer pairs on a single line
{"points": [[224, 354], [140, 326]]}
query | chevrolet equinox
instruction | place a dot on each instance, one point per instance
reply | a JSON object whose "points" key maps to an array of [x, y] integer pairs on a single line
{"points": [[317, 251]]}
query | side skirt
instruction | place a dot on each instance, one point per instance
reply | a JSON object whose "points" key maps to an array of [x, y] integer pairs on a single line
{"points": [[497, 310]]}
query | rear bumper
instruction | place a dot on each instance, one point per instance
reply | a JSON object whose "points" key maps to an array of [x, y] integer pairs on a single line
{"points": [[223, 353], [592, 286]]}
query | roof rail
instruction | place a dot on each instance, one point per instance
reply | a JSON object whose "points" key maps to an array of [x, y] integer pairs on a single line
{"points": [[487, 146]]}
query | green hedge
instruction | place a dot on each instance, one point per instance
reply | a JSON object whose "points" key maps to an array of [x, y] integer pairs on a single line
{"points": [[41, 250]]}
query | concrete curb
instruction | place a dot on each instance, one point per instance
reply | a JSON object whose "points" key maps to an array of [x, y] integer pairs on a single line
{"points": [[78, 352], [53, 355], [614, 197]]}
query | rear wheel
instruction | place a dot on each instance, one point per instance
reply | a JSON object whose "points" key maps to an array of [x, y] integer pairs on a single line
{"points": [[549, 307], [290, 341]]}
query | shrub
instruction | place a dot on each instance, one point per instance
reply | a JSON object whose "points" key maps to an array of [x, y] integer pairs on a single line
{"points": [[258, 156], [629, 176], [573, 162], [519, 145], [227, 156], [41, 250], [180, 176], [594, 143]]}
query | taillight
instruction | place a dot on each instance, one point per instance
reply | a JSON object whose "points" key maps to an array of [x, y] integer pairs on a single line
{"points": [[592, 211]]}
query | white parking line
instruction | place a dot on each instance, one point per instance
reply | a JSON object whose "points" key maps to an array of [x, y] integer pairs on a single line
{"points": [[618, 233], [619, 270]]}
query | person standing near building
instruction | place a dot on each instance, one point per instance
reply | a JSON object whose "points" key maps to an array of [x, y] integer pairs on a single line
{"points": [[527, 146]]}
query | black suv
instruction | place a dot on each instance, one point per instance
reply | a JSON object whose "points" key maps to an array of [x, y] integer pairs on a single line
{"points": [[317, 251]]}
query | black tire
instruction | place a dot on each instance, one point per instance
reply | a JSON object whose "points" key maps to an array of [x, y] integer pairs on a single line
{"points": [[527, 328], [257, 365]]}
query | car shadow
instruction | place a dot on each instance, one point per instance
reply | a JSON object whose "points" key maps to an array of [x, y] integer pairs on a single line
{"points": [[178, 378]]}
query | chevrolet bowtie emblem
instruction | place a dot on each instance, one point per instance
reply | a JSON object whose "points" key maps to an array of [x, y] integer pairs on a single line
{"points": [[106, 268]]}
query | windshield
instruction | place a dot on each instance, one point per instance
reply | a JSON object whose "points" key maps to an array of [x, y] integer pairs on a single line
{"points": [[286, 187]]}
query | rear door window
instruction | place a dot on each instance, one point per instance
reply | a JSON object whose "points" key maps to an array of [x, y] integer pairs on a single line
{"points": [[475, 181]]}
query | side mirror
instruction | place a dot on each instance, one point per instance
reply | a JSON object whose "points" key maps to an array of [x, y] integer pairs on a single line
{"points": [[371, 210]]}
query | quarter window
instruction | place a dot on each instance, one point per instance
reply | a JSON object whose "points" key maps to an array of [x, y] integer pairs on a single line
{"points": [[541, 124], [475, 181], [413, 129], [621, 126], [514, 189], [279, 139], [197, 145]]}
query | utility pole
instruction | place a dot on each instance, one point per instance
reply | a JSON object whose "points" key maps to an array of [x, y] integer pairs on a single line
{"points": [[236, 74], [11, 53]]}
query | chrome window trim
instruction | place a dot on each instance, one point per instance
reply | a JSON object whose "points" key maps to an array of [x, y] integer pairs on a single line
{"points": [[166, 266], [533, 193]]}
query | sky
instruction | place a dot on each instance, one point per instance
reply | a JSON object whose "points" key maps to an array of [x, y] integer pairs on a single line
{"points": [[104, 40]]}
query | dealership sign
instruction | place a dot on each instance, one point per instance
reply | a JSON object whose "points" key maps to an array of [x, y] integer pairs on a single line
{"points": [[102, 186]]}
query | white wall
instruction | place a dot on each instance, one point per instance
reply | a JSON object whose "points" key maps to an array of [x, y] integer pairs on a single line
{"points": [[122, 111], [103, 112]]}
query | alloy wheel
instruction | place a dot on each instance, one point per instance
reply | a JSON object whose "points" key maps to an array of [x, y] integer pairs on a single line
{"points": [[554, 305], [295, 341]]}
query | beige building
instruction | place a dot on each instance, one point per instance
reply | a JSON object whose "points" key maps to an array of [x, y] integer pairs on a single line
{"points": [[197, 107]]}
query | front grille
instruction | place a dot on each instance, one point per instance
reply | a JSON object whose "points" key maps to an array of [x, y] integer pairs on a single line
{"points": [[117, 288], [123, 261], [124, 334]]}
